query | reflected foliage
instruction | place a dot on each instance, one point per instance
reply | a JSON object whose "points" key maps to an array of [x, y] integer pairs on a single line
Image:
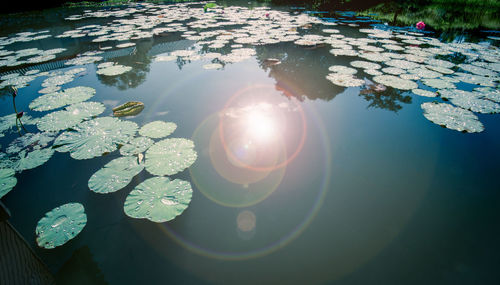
{"points": [[388, 99]]}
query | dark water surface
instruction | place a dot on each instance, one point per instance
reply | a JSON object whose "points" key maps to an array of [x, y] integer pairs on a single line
{"points": [[344, 186]]}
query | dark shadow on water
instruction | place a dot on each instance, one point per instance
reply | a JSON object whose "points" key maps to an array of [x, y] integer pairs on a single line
{"points": [[80, 269]]}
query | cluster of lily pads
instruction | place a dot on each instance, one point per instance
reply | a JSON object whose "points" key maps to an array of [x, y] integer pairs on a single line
{"points": [[86, 136], [407, 61]]}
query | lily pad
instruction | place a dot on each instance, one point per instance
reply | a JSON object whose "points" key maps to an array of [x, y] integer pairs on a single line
{"points": [[136, 146], [158, 199], [170, 156], [114, 70], [56, 100], [31, 159], [451, 117], [157, 129], [7, 181], [60, 225], [9, 122], [73, 115], [95, 137], [395, 82], [342, 69], [345, 80], [115, 175]]}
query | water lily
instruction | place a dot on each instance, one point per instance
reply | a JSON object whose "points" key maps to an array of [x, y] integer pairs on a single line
{"points": [[420, 25], [20, 115]]}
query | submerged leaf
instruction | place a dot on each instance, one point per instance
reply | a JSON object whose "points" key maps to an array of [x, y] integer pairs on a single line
{"points": [[95, 137], [115, 175], [158, 199], [170, 156], [60, 225]]}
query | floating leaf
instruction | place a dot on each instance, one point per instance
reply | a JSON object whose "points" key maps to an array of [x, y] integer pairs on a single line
{"points": [[425, 93], [114, 70], [136, 146], [452, 117], [342, 69], [10, 122], [170, 156], [213, 66], [73, 115], [31, 159], [95, 137], [115, 175], [158, 199], [7, 181], [345, 80], [131, 108], [56, 100], [60, 225], [30, 141], [395, 82], [157, 129]]}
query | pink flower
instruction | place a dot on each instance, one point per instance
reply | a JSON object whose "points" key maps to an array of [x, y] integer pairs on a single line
{"points": [[420, 25], [267, 15]]}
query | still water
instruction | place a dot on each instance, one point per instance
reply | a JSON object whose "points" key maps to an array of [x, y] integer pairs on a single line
{"points": [[297, 180]]}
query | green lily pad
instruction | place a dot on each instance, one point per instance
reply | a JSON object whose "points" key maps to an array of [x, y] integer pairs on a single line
{"points": [[30, 141], [345, 80], [115, 175], [136, 146], [31, 159], [70, 117], [30, 151], [157, 129], [8, 122], [95, 137], [60, 225], [7, 181], [451, 117], [158, 199], [395, 82], [56, 100], [114, 70], [170, 156]]}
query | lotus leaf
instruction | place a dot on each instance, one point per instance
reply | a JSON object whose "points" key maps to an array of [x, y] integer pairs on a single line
{"points": [[60, 225], [73, 115], [170, 156], [158, 199], [157, 129], [56, 100], [7, 181], [136, 146], [115, 175], [95, 137]]}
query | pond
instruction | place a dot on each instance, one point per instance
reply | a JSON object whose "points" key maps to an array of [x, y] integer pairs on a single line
{"points": [[152, 144]]}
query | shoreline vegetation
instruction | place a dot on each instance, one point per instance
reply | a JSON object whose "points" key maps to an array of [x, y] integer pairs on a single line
{"points": [[439, 15]]}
